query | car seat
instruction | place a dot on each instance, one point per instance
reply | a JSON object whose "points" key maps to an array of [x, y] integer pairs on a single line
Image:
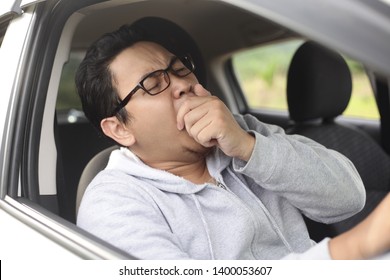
{"points": [[319, 88]]}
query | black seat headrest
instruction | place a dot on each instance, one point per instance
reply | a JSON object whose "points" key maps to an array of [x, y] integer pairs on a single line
{"points": [[175, 39], [319, 83]]}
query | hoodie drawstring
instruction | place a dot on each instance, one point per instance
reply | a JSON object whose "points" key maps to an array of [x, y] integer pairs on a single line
{"points": [[204, 225]]}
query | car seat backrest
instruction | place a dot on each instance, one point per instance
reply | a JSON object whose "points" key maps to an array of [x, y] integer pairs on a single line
{"points": [[76, 144], [94, 166], [319, 87]]}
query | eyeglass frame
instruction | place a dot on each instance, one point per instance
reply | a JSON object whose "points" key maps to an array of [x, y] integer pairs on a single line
{"points": [[165, 71]]}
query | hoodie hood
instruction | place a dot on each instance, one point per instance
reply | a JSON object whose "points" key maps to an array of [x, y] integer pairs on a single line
{"points": [[125, 161]]}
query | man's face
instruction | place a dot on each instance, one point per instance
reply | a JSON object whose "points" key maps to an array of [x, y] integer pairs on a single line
{"points": [[153, 118]]}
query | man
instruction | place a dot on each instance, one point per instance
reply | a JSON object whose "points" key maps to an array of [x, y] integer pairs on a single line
{"points": [[193, 181]]}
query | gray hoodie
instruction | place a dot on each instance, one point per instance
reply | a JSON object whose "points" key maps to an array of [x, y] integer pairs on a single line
{"points": [[255, 211]]}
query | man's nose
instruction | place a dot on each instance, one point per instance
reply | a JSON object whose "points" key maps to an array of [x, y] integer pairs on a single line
{"points": [[181, 86]]}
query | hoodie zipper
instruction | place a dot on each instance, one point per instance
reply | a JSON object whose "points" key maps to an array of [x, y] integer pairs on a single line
{"points": [[220, 185]]}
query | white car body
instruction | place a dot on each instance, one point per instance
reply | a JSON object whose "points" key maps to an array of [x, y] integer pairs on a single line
{"points": [[30, 231]]}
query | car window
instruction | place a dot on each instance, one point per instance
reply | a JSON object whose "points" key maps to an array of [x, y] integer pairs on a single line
{"points": [[68, 104], [262, 75]]}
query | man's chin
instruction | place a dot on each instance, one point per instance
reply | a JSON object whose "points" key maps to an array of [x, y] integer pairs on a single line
{"points": [[200, 151], [195, 148]]}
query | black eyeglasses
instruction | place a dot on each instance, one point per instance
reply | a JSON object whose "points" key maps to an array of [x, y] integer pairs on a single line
{"points": [[158, 81]]}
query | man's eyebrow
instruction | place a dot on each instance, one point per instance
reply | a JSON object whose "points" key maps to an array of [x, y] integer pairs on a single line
{"points": [[172, 58]]}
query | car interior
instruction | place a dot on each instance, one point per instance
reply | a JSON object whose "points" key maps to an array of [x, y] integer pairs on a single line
{"points": [[72, 151], [319, 87], [77, 142]]}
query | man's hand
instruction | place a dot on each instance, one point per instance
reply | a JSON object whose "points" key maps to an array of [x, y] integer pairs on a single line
{"points": [[210, 123]]}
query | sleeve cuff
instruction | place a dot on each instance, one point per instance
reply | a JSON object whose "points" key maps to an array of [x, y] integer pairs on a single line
{"points": [[262, 161]]}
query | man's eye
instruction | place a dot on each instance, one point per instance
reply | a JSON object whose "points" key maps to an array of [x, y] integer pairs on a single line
{"points": [[180, 70], [152, 85], [155, 84], [155, 87]]}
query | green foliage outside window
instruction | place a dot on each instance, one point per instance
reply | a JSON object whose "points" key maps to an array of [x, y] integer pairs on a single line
{"points": [[262, 74]]}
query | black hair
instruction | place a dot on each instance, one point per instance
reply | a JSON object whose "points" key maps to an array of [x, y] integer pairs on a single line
{"points": [[94, 79]]}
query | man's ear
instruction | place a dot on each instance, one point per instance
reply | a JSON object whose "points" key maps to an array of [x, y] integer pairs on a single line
{"points": [[118, 131]]}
